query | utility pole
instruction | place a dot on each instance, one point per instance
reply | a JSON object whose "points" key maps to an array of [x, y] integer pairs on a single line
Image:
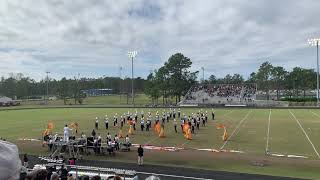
{"points": [[47, 98]]}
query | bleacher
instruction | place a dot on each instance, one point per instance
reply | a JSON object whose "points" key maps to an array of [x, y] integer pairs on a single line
{"points": [[228, 94]]}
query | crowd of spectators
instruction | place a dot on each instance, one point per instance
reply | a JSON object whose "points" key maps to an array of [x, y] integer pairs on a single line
{"points": [[230, 92]]}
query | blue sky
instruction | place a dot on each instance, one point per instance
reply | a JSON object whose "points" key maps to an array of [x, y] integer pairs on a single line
{"points": [[93, 37]]}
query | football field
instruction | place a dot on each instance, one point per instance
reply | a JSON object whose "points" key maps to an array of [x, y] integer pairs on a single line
{"points": [[286, 134]]}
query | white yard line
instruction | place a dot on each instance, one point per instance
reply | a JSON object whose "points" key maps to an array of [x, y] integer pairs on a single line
{"points": [[268, 132], [315, 150], [174, 176], [243, 119], [315, 114]]}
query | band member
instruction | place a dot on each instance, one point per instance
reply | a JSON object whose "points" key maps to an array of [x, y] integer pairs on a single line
{"points": [[97, 123], [115, 120], [163, 117], [203, 121], [182, 123], [134, 124], [116, 141], [106, 122], [175, 125], [148, 125], [198, 122], [122, 121], [192, 126], [109, 137], [142, 124]]}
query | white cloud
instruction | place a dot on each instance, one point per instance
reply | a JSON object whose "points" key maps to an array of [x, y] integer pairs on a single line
{"points": [[93, 37]]}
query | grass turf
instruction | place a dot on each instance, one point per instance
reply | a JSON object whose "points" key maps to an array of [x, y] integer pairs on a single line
{"points": [[247, 129]]}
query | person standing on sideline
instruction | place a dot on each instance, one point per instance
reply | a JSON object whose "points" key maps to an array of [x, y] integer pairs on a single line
{"points": [[106, 122], [66, 130], [140, 156], [96, 123]]}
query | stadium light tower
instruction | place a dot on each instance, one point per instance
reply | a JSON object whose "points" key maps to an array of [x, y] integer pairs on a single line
{"points": [[132, 54], [120, 75], [315, 42], [47, 98], [202, 68]]}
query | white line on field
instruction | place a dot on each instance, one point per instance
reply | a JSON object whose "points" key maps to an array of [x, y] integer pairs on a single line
{"points": [[268, 132], [315, 150], [315, 114], [174, 176], [244, 118]]}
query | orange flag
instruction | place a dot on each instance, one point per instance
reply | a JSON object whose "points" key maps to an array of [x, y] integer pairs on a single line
{"points": [[50, 125], [225, 134], [185, 128], [157, 128]]}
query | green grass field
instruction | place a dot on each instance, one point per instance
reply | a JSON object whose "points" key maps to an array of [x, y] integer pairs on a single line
{"points": [[291, 132]]}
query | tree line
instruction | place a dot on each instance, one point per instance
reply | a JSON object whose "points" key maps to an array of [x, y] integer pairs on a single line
{"points": [[18, 86]]}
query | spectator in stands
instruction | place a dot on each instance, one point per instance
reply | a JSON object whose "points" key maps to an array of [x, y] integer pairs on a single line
{"points": [[50, 171], [72, 161], [116, 177], [85, 177], [96, 178], [70, 177], [10, 163], [54, 176], [23, 173], [25, 161], [152, 178], [140, 156], [63, 173], [40, 174]]}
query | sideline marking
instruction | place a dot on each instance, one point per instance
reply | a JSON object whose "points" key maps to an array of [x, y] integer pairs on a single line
{"points": [[244, 118], [315, 150], [268, 132], [315, 114], [175, 176]]}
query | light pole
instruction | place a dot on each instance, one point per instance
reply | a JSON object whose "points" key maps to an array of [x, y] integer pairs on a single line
{"points": [[47, 98], [202, 68], [132, 54], [315, 42], [120, 72]]}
